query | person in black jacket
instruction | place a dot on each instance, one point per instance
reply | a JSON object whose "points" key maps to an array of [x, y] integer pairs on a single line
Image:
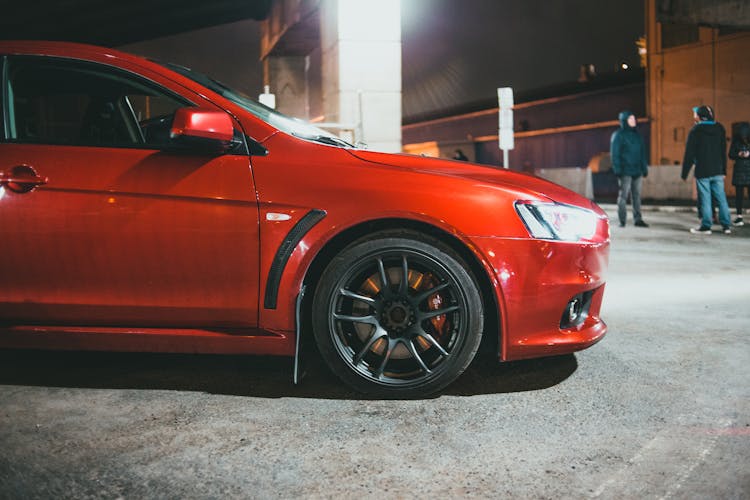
{"points": [[630, 166], [739, 151], [706, 148]]}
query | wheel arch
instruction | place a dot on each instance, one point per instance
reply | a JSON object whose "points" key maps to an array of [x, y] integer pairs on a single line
{"points": [[492, 322]]}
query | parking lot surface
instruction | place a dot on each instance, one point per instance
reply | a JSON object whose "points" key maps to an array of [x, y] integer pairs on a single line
{"points": [[658, 409]]}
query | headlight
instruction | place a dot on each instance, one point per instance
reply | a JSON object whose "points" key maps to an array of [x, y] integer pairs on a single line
{"points": [[554, 221]]}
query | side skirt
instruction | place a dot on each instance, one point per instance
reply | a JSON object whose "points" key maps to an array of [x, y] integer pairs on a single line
{"points": [[206, 341]]}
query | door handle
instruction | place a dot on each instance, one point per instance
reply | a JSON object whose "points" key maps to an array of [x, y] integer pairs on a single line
{"points": [[22, 179]]}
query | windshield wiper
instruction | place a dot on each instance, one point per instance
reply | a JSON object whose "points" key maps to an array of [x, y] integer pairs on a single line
{"points": [[327, 139]]}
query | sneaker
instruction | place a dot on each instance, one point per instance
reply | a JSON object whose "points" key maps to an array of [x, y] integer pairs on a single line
{"points": [[738, 222], [622, 224], [700, 230], [640, 223], [727, 230]]}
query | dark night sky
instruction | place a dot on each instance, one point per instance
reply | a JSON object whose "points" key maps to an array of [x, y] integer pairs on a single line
{"points": [[454, 51], [459, 51]]}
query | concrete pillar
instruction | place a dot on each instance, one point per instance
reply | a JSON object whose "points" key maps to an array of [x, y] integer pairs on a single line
{"points": [[361, 68], [287, 78]]}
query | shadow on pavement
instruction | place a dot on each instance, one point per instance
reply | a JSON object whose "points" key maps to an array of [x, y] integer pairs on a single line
{"points": [[253, 376]]}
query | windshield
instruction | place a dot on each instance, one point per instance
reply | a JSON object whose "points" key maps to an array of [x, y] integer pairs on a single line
{"points": [[293, 126]]}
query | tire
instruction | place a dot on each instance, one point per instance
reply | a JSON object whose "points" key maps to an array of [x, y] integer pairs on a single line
{"points": [[397, 341]]}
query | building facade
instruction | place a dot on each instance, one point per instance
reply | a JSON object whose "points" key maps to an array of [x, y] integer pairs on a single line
{"points": [[698, 52]]}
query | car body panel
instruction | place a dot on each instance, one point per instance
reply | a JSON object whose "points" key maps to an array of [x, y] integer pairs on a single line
{"points": [[111, 240]]}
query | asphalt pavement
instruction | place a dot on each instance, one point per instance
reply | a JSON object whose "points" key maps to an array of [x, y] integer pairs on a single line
{"points": [[658, 409]]}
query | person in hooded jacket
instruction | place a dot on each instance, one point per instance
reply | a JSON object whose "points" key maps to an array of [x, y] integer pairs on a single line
{"points": [[739, 151], [630, 166], [706, 148]]}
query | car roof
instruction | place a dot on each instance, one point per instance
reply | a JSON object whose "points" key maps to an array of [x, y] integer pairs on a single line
{"points": [[76, 50], [57, 48]]}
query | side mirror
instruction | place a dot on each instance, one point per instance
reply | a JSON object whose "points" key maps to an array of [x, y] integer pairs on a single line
{"points": [[203, 129]]}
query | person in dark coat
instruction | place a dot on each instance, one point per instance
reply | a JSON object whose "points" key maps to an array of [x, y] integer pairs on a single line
{"points": [[739, 151], [706, 148], [630, 166]]}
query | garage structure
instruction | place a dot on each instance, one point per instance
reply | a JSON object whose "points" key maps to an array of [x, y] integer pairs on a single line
{"points": [[114, 24], [327, 65], [330, 61], [338, 62]]}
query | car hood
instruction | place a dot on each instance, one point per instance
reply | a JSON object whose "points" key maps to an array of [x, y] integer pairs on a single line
{"points": [[534, 187]]}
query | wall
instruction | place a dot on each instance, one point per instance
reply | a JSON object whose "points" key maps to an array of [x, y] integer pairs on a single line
{"points": [[713, 70], [553, 131], [561, 148], [715, 73]]}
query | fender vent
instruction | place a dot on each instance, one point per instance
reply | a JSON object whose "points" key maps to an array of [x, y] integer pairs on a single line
{"points": [[285, 250]]}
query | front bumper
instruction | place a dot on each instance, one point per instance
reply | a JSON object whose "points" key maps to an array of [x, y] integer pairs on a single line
{"points": [[534, 282]]}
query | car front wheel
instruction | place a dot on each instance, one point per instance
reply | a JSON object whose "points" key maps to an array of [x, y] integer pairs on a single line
{"points": [[397, 315]]}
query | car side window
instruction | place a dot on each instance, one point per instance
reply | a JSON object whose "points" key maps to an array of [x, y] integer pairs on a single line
{"points": [[61, 101]]}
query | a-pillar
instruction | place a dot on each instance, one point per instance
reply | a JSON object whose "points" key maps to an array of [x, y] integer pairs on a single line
{"points": [[361, 69]]}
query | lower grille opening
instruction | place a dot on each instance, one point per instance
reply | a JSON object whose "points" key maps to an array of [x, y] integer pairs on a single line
{"points": [[576, 310]]}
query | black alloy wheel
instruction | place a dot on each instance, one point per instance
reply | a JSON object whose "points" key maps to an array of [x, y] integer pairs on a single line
{"points": [[397, 315]]}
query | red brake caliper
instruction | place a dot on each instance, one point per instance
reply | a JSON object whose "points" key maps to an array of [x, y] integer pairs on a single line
{"points": [[435, 302]]}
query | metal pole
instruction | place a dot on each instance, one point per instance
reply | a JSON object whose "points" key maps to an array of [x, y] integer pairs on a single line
{"points": [[505, 159]]}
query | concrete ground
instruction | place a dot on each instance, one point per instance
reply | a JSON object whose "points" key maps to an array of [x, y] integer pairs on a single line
{"points": [[659, 409]]}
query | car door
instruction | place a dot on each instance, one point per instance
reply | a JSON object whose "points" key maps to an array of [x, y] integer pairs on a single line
{"points": [[100, 222]]}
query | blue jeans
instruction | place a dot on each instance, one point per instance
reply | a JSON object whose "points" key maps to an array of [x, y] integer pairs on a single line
{"points": [[708, 187], [629, 187]]}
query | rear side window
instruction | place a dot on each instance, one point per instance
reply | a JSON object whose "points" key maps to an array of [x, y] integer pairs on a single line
{"points": [[61, 101]]}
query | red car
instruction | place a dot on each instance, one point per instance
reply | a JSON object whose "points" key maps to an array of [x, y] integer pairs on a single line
{"points": [[146, 207]]}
